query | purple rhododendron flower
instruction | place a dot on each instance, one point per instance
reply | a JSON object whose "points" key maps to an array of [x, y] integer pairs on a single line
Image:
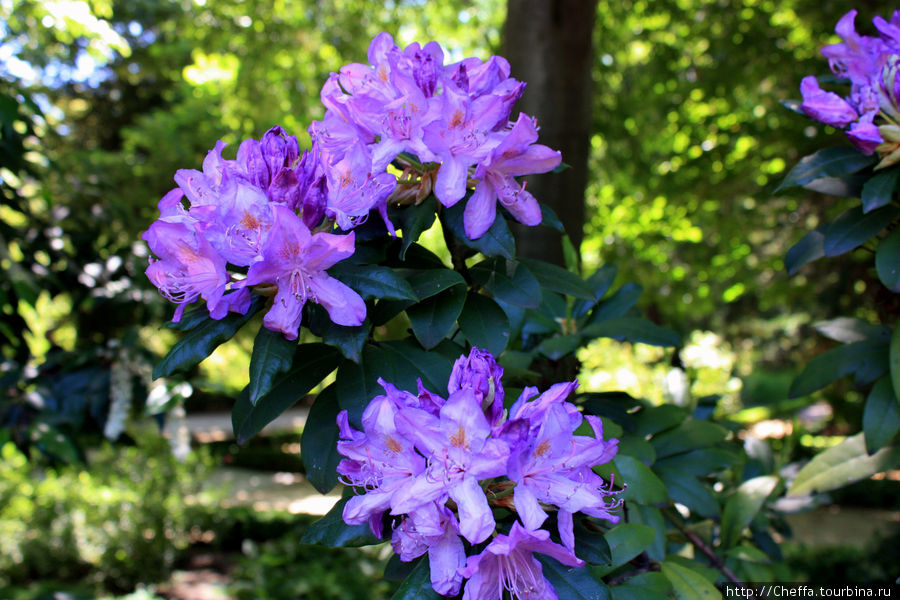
{"points": [[508, 564], [871, 66], [295, 260], [516, 154], [440, 466]]}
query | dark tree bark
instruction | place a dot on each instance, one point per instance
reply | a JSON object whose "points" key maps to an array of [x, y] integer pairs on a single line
{"points": [[548, 44]]}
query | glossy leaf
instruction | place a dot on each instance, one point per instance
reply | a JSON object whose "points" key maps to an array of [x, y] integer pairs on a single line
{"points": [[633, 329], [689, 435], [558, 346], [810, 247], [690, 491], [829, 162], [484, 324], [558, 279], [618, 304], [432, 319], [894, 360], [853, 228], [643, 484], [272, 355], [651, 517], [548, 217], [879, 190], [413, 221], [848, 330], [626, 541], [200, 342], [417, 586], [572, 583], [590, 546], [842, 465], [349, 340], [373, 281], [743, 505], [653, 419], [881, 417], [600, 281], [429, 282], [688, 584], [331, 531], [887, 261], [509, 281], [311, 363], [867, 357], [498, 241], [319, 441], [644, 586]]}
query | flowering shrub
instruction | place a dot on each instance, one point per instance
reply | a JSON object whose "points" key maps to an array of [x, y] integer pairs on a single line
{"points": [[496, 486], [441, 464], [868, 174]]}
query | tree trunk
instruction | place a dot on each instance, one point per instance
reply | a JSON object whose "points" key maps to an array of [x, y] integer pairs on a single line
{"points": [[548, 44]]}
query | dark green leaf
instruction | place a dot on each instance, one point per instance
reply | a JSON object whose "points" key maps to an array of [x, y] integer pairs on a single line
{"points": [[743, 505], [848, 330], [590, 546], [810, 247], [498, 241], [894, 360], [689, 584], [887, 261], [829, 162], [399, 363], [703, 461], [690, 491], [848, 186], [318, 445], [600, 282], [548, 216], [509, 281], [417, 586], [633, 329], [842, 465], [331, 531], [432, 319], [615, 405], [413, 221], [867, 357], [643, 485], [558, 279], [651, 517], [618, 304], [879, 190], [688, 436], [429, 282], [349, 340], [653, 419], [484, 324], [853, 228], [373, 281], [398, 570], [191, 318], [645, 586], [200, 342], [572, 583], [271, 356], [881, 418], [558, 346], [311, 363], [626, 541]]}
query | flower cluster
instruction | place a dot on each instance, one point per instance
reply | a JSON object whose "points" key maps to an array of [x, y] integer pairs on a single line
{"points": [[440, 465], [264, 220], [871, 112], [455, 116], [254, 213]]}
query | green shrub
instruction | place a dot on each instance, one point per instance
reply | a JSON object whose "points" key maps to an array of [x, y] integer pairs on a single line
{"points": [[114, 526]]}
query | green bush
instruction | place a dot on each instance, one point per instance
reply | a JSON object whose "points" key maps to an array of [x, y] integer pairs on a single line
{"points": [[113, 526]]}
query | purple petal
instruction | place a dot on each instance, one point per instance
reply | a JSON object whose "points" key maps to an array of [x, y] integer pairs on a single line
{"points": [[480, 211], [344, 306], [476, 522], [450, 185]]}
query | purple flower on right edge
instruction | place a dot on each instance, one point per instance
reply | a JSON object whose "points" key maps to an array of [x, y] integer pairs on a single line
{"points": [[870, 113], [448, 470]]}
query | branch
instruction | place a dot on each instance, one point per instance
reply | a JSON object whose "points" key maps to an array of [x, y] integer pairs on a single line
{"points": [[702, 546]]}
